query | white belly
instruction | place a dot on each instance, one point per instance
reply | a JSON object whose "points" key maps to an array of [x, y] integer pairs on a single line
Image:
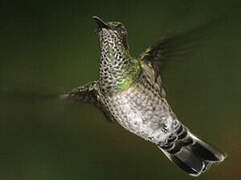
{"points": [[147, 117]]}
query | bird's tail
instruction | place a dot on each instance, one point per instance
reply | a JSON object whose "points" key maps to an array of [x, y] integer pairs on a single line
{"points": [[191, 154]]}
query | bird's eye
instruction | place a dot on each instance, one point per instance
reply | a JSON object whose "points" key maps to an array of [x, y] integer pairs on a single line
{"points": [[123, 32]]}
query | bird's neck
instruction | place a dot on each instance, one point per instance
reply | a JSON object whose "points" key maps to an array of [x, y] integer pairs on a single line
{"points": [[116, 72]]}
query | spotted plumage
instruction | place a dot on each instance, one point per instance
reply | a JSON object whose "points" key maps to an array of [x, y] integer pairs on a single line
{"points": [[130, 91]]}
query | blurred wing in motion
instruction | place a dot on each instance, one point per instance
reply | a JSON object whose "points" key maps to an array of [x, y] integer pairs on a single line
{"points": [[180, 44], [89, 93]]}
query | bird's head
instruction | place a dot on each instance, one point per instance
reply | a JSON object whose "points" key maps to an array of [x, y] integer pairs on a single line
{"points": [[111, 34]]}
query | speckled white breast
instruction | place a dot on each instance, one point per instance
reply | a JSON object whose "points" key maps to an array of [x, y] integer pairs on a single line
{"points": [[143, 114]]}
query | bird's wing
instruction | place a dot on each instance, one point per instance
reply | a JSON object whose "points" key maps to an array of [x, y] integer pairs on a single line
{"points": [[153, 57], [86, 93], [175, 46], [89, 93]]}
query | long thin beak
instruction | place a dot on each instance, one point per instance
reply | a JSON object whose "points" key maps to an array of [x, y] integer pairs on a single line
{"points": [[101, 23]]}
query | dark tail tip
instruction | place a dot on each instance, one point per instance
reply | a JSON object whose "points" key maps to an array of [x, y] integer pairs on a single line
{"points": [[205, 151], [194, 158], [188, 167]]}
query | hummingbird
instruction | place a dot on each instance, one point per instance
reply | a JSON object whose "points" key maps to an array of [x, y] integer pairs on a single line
{"points": [[130, 91]]}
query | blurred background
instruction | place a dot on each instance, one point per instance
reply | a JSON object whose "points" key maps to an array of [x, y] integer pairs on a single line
{"points": [[50, 47]]}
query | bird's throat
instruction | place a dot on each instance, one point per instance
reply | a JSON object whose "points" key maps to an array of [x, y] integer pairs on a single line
{"points": [[116, 69]]}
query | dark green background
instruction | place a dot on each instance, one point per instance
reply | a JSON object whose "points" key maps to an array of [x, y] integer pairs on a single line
{"points": [[49, 47]]}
